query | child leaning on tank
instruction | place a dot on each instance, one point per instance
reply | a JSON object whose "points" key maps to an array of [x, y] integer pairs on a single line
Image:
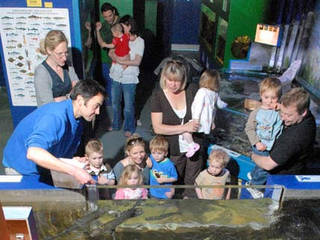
{"points": [[96, 167]]}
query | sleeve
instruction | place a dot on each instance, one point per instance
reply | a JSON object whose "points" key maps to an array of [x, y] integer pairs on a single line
{"points": [[221, 104], [109, 174], [47, 132], [285, 148], [144, 193], [250, 128], [115, 42], [118, 168], [119, 194], [73, 75], [197, 104], [43, 86], [155, 101], [197, 181], [173, 171], [140, 48]]}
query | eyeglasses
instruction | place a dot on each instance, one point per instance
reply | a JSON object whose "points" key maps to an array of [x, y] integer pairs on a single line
{"points": [[61, 54], [134, 141]]}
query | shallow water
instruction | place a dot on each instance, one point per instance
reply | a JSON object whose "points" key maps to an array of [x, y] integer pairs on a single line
{"points": [[181, 219]]}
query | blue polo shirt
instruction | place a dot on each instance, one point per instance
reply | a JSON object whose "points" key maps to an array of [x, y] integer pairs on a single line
{"points": [[52, 127]]}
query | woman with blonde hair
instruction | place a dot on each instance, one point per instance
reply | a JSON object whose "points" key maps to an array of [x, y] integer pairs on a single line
{"points": [[135, 155], [171, 117], [54, 77]]}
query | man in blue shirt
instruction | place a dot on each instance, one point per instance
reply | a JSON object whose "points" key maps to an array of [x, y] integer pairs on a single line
{"points": [[53, 131]]}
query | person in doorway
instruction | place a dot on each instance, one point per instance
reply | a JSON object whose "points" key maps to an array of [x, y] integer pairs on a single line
{"points": [[293, 148], [51, 132], [54, 77], [124, 82], [104, 35]]}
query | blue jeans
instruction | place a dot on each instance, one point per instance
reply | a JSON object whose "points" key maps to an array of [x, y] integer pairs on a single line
{"points": [[128, 91], [259, 175], [108, 82]]}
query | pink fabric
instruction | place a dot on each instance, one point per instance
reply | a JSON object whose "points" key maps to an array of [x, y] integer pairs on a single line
{"points": [[130, 193]]}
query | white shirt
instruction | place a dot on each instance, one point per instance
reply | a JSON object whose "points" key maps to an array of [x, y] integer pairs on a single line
{"points": [[203, 108], [131, 73]]}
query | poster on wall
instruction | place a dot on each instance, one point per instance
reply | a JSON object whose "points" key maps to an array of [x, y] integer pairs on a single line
{"points": [[22, 29]]}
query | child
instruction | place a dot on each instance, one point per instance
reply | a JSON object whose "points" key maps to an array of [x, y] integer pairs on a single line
{"points": [[132, 176], [162, 170], [120, 42], [204, 106], [94, 155], [216, 174], [264, 125]]}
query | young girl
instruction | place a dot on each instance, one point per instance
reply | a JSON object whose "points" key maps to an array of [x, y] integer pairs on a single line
{"points": [[131, 176], [204, 107]]}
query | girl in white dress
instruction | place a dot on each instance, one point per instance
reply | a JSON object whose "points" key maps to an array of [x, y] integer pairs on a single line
{"points": [[204, 107]]}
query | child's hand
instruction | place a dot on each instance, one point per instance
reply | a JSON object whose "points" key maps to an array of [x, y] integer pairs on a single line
{"points": [[260, 146], [277, 106], [213, 126], [161, 179], [149, 162]]}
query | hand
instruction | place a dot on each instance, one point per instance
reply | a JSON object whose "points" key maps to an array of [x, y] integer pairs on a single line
{"points": [[81, 159], [169, 194], [260, 146], [213, 126], [161, 179], [149, 162], [88, 26], [277, 106], [192, 126], [98, 26], [82, 176], [126, 29]]}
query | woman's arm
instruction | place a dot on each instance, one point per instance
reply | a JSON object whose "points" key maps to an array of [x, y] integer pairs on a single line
{"points": [[135, 62], [160, 128], [43, 86]]}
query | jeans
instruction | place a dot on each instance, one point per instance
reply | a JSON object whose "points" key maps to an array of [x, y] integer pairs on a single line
{"points": [[128, 91], [108, 82], [259, 175]]}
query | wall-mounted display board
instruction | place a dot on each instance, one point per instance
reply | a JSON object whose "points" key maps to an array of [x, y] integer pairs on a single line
{"points": [[23, 24], [22, 29]]}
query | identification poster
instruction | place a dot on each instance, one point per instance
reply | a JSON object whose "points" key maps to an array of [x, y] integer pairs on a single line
{"points": [[22, 29]]}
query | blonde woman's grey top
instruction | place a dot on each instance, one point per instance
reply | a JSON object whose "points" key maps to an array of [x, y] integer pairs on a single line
{"points": [[48, 84]]}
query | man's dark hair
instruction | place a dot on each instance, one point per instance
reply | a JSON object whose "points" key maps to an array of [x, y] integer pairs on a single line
{"points": [[108, 7], [87, 89]]}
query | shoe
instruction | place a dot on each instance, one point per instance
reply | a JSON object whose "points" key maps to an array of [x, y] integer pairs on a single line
{"points": [[249, 176], [127, 134], [192, 150], [255, 193]]}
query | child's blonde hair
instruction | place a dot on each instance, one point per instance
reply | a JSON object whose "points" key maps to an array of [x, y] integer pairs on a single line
{"points": [[127, 172], [219, 156], [210, 79], [93, 146], [159, 143], [272, 84], [132, 141], [117, 28]]}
